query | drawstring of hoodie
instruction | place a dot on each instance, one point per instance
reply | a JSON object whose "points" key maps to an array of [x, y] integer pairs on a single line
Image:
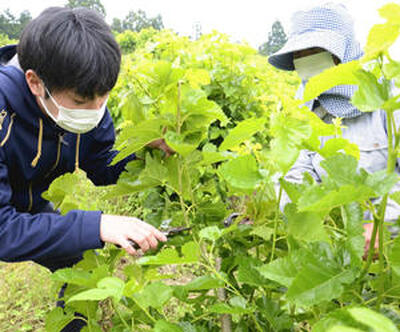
{"points": [[39, 148], [40, 142], [78, 140], [8, 130]]}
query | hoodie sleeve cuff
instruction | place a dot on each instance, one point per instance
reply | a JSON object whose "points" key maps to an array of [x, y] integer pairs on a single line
{"points": [[90, 232]]}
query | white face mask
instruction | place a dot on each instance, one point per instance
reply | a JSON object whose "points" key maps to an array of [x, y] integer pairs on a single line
{"points": [[78, 121], [312, 65]]}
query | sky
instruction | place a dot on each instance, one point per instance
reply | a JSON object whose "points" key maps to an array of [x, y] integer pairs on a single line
{"points": [[249, 20]]}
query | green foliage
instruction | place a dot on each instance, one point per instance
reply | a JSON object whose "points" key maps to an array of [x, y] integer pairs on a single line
{"points": [[11, 26], [276, 40], [355, 319], [4, 40], [71, 191], [137, 21], [236, 130], [91, 4]]}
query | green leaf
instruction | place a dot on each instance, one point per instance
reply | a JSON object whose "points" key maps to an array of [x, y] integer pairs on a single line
{"points": [[340, 317], [132, 109], [371, 95], [211, 157], [355, 319], [155, 173], [380, 38], [181, 181], [242, 132], [154, 295], [394, 256], [353, 224], [57, 319], [340, 328], [318, 198], [113, 283], [190, 254], [263, 232], [212, 233], [317, 283], [178, 143], [391, 69], [163, 326], [223, 308], [345, 184], [391, 12], [242, 174], [134, 137], [197, 77], [72, 191], [395, 196], [200, 112], [107, 287], [73, 276], [277, 317], [382, 182], [203, 283], [293, 190], [305, 226], [342, 169], [289, 134], [284, 270], [335, 145], [94, 294], [248, 272], [376, 321], [338, 75]]}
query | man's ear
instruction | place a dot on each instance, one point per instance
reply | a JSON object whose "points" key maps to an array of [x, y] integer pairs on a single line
{"points": [[35, 83]]}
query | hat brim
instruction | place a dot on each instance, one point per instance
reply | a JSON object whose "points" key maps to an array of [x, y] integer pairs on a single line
{"points": [[328, 40]]}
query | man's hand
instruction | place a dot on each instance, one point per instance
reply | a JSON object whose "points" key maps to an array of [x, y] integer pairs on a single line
{"points": [[367, 235], [161, 145], [119, 230]]}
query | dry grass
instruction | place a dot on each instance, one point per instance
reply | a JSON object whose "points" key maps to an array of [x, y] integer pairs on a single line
{"points": [[26, 296]]}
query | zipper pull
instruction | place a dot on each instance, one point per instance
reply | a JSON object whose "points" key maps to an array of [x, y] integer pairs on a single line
{"points": [[61, 138], [3, 115]]}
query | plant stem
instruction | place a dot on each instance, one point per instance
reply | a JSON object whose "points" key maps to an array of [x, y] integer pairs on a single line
{"points": [[276, 224], [144, 310], [259, 328], [180, 194], [226, 319], [120, 316], [178, 110]]}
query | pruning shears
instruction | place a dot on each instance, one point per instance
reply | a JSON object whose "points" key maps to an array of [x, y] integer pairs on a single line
{"points": [[169, 233], [233, 216]]}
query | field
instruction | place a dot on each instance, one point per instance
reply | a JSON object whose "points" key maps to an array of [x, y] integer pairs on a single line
{"points": [[26, 297]]}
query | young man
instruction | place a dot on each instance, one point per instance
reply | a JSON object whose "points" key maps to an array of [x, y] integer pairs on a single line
{"points": [[53, 92], [321, 38]]}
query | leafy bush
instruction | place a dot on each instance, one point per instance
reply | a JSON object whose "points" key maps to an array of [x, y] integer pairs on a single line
{"points": [[4, 40], [236, 129]]}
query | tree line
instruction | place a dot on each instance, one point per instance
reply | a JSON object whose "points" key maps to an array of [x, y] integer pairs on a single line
{"points": [[12, 25]]}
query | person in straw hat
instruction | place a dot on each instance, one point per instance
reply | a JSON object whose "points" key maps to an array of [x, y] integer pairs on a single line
{"points": [[321, 38]]}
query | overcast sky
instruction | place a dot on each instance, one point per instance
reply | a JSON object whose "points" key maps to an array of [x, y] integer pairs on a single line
{"points": [[248, 20]]}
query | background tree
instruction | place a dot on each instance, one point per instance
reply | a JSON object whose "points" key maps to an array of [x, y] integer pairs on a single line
{"points": [[276, 39], [11, 25], [91, 4], [136, 21]]}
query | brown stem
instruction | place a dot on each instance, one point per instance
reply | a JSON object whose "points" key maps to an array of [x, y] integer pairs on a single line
{"points": [[226, 319]]}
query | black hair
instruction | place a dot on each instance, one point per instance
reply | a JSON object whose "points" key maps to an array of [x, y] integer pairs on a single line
{"points": [[71, 49]]}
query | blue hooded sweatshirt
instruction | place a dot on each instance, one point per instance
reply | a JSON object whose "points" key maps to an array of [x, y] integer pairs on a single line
{"points": [[33, 152]]}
